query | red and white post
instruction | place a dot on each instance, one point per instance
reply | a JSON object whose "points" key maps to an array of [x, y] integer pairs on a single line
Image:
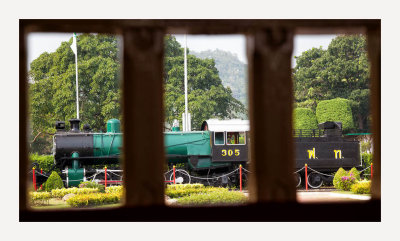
{"points": [[34, 178], [174, 174], [372, 171], [41, 172], [105, 177]]}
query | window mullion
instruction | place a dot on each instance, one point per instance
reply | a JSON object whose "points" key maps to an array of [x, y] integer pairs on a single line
{"points": [[143, 154], [271, 104]]}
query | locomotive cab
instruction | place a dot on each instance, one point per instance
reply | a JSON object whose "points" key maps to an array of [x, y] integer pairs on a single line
{"points": [[229, 139]]}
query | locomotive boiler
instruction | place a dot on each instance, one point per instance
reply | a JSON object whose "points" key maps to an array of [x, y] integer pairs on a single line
{"points": [[74, 150]]}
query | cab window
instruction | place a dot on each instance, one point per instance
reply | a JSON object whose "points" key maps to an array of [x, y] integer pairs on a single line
{"points": [[219, 138], [236, 138]]}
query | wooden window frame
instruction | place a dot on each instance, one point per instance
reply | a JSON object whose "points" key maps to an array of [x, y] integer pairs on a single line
{"points": [[270, 102]]}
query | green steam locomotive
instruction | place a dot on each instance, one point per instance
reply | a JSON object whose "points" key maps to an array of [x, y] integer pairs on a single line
{"points": [[211, 156]]}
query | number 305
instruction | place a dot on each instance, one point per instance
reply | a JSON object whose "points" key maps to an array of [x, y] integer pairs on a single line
{"points": [[230, 152]]}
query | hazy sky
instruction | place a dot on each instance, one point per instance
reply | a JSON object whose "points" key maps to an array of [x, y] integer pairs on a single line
{"points": [[41, 42]]}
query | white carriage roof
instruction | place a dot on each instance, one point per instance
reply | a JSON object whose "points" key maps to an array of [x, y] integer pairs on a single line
{"points": [[226, 125]]}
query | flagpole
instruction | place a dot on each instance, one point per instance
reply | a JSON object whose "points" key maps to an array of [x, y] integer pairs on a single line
{"points": [[186, 97], [77, 88], [76, 74]]}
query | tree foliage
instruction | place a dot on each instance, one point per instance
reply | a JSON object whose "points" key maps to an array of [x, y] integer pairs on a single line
{"points": [[53, 97], [53, 90], [304, 119], [336, 110], [207, 97], [341, 71]]}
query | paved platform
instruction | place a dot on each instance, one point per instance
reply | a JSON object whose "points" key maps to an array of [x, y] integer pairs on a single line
{"points": [[326, 196]]}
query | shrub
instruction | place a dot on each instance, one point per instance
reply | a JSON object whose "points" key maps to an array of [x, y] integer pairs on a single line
{"points": [[89, 184], [115, 189], [336, 110], [40, 198], [53, 182], [60, 193], [177, 193], [93, 199], [181, 190], [362, 187], [344, 179], [217, 197], [365, 146], [338, 175], [304, 119], [367, 160], [44, 161], [355, 173], [346, 182]]}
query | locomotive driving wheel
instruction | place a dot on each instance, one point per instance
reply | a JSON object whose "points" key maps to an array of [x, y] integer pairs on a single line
{"points": [[315, 180], [297, 179], [181, 177]]}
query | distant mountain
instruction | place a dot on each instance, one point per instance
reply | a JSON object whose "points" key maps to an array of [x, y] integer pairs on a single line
{"points": [[232, 71]]}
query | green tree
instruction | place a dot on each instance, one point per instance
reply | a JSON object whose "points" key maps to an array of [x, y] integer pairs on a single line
{"points": [[336, 110], [340, 71], [304, 119], [53, 92], [207, 97], [52, 87]]}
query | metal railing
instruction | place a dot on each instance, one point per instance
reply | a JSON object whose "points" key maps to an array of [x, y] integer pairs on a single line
{"points": [[308, 132]]}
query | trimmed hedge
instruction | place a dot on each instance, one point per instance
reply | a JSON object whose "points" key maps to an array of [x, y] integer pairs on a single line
{"points": [[362, 187], [89, 184], [338, 175], [214, 198], [178, 193], [345, 179], [346, 182], [40, 198], [355, 173], [93, 199], [60, 193], [338, 110], [115, 189], [44, 161], [304, 118], [53, 182], [183, 190]]}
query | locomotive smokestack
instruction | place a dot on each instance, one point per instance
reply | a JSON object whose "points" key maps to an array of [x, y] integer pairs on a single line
{"points": [[74, 125]]}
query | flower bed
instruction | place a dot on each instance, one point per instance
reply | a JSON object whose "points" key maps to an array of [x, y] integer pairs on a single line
{"points": [[94, 199], [115, 189], [40, 198], [60, 193], [183, 190], [362, 187], [218, 197], [198, 194]]}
